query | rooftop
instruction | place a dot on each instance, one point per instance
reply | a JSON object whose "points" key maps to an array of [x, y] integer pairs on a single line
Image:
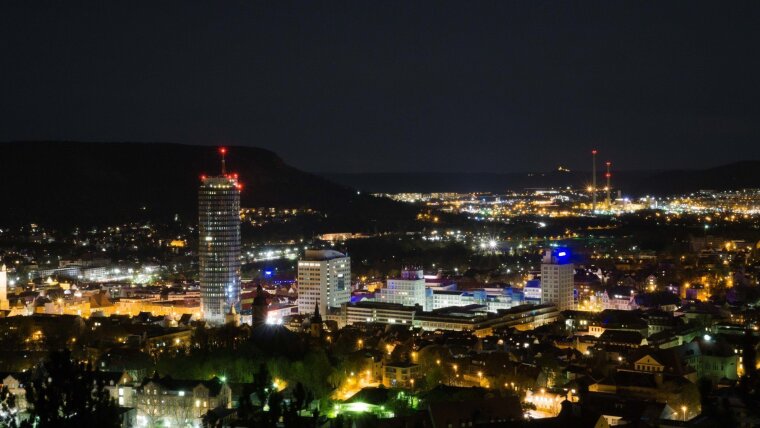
{"points": [[321, 255]]}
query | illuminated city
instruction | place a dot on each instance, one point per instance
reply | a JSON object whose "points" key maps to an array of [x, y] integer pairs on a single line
{"points": [[360, 215]]}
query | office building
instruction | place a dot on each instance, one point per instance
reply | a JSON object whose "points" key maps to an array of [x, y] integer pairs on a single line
{"points": [[324, 279], [493, 298], [219, 242], [557, 279], [475, 318], [407, 290]]}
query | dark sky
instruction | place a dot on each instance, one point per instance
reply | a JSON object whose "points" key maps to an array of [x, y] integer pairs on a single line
{"points": [[393, 85]]}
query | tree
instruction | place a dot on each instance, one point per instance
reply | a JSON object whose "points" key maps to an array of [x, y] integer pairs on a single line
{"points": [[200, 338], [246, 410], [8, 410], [275, 407], [66, 394], [299, 397], [262, 384]]}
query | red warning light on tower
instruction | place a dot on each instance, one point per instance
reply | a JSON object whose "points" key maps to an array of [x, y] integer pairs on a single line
{"points": [[223, 150]]}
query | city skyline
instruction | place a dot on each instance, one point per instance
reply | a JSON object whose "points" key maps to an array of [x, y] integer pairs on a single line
{"points": [[432, 214]]}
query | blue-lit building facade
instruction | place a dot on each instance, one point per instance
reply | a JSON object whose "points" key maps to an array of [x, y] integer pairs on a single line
{"points": [[557, 279], [219, 246]]}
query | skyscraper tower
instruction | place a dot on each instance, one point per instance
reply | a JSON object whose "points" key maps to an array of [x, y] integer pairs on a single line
{"points": [[219, 244], [608, 176], [593, 180]]}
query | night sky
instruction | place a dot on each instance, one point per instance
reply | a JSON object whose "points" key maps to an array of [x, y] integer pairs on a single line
{"points": [[387, 86]]}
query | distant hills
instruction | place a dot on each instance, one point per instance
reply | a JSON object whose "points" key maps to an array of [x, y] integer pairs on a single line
{"points": [[738, 175], [74, 183]]}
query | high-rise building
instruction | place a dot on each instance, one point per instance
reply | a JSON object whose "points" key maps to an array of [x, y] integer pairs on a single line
{"points": [[557, 279], [407, 290], [219, 242], [324, 280]]}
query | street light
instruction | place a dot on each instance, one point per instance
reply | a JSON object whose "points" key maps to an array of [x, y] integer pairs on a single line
{"points": [[683, 409]]}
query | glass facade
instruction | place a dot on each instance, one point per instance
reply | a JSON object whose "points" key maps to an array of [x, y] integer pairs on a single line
{"points": [[219, 246]]}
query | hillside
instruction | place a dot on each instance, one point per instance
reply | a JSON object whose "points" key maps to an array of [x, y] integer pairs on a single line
{"points": [[738, 175], [74, 183]]}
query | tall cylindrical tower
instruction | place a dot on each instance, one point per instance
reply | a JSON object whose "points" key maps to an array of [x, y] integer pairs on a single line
{"points": [[219, 246]]}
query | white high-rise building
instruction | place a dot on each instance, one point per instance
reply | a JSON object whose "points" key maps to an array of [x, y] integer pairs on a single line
{"points": [[324, 279], [4, 288], [408, 290], [557, 279]]}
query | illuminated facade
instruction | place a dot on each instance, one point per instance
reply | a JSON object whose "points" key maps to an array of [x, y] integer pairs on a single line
{"points": [[324, 279], [219, 246], [557, 279], [3, 288], [408, 290]]}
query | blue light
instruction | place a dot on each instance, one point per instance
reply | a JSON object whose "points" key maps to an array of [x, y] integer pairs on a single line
{"points": [[562, 255], [267, 273]]}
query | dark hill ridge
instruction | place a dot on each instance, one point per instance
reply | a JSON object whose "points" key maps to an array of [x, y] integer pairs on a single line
{"points": [[738, 175], [68, 183], [734, 176]]}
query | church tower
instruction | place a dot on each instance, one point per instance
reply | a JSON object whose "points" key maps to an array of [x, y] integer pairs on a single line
{"points": [[315, 328], [260, 307]]}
